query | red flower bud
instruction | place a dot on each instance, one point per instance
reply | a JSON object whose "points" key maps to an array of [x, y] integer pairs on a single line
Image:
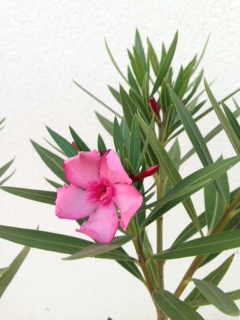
{"points": [[154, 107], [146, 173]]}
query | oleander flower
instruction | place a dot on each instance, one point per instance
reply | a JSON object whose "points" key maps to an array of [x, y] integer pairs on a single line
{"points": [[99, 189]]}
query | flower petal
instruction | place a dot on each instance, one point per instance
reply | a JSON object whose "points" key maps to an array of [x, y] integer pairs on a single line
{"points": [[83, 168], [112, 169], [71, 203], [102, 224], [128, 201]]}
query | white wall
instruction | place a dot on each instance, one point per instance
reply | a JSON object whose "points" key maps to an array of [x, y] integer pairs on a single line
{"points": [[43, 46]]}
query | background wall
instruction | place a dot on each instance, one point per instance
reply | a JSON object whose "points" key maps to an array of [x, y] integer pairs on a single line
{"points": [[43, 46]]}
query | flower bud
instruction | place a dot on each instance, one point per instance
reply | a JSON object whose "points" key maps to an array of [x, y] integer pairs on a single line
{"points": [[154, 107], [146, 173]]}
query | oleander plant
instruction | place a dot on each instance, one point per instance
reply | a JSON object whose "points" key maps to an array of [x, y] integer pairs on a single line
{"points": [[105, 189]]}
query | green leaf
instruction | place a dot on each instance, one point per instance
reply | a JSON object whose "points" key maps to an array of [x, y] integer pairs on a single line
{"points": [[195, 137], [9, 274], [135, 144], [175, 154], [214, 277], [217, 297], [5, 179], [56, 185], [145, 88], [224, 121], [207, 138], [48, 197], [4, 168], [98, 100], [63, 144], [101, 144], [232, 120], [196, 84], [114, 62], [174, 308], [214, 243], [115, 94], [53, 161], [43, 240], [152, 57], [165, 65], [213, 206], [98, 248], [234, 295], [137, 66], [129, 107], [107, 125], [79, 142], [139, 48], [132, 82], [117, 136]]}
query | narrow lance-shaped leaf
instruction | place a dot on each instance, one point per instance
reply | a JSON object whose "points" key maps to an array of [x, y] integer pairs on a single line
{"points": [[128, 105], [43, 240], [7, 276], [214, 277], [98, 100], [118, 137], [224, 121], [97, 248], [232, 120], [152, 57], [214, 243], [48, 197], [164, 67], [217, 297], [114, 62], [234, 295], [53, 161], [79, 142], [195, 137], [101, 144], [63, 144], [4, 168], [135, 144], [107, 124], [213, 206], [174, 308], [139, 48]]}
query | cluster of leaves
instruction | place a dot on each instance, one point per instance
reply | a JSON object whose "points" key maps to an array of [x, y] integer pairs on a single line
{"points": [[7, 273], [140, 136]]}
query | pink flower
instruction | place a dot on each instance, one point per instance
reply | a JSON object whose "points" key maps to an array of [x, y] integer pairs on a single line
{"points": [[101, 190]]}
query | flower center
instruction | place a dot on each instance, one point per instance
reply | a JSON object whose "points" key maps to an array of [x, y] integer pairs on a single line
{"points": [[100, 192]]}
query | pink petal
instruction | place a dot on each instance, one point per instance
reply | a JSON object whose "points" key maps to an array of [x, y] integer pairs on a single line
{"points": [[71, 203], [102, 224], [83, 168], [128, 201], [112, 169]]}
